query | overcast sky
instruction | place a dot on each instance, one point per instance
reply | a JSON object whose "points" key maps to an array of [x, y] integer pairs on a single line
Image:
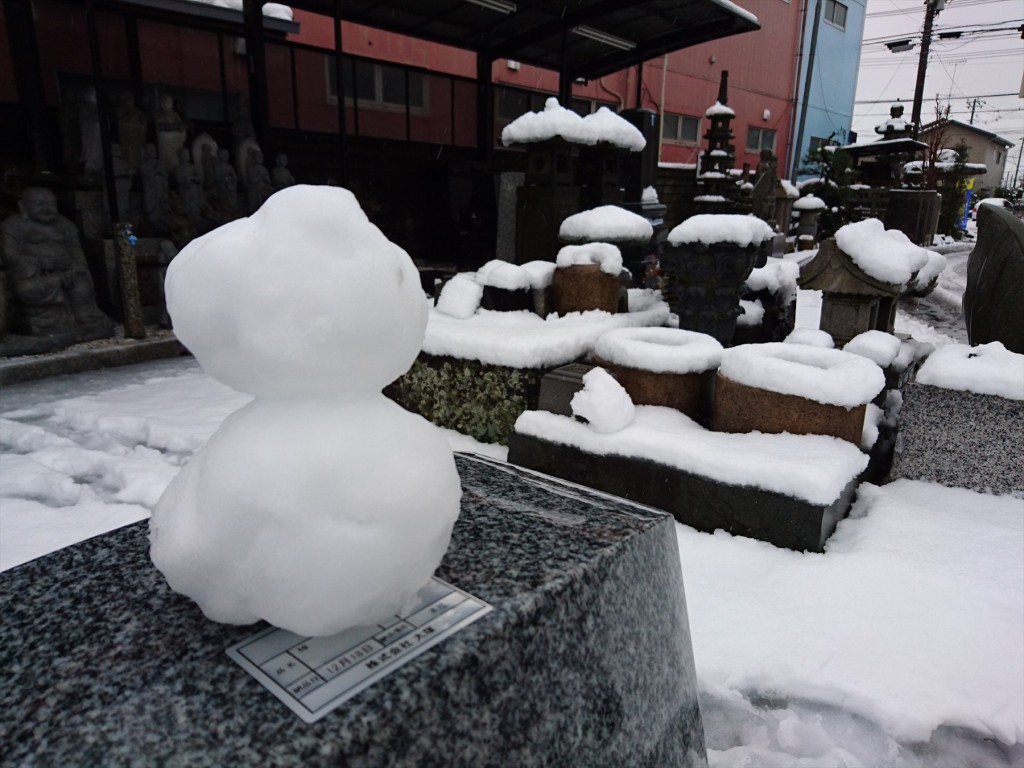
{"points": [[981, 64]]}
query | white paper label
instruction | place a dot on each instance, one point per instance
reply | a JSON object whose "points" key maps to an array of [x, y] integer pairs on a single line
{"points": [[314, 675]]}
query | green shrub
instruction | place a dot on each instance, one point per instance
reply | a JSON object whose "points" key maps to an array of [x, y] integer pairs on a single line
{"points": [[482, 401]]}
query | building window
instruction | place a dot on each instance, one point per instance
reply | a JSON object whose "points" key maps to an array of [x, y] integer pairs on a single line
{"points": [[510, 103], [379, 86], [681, 128], [760, 138], [835, 13], [999, 156]]}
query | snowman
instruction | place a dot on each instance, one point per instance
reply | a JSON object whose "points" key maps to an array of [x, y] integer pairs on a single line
{"points": [[321, 505]]}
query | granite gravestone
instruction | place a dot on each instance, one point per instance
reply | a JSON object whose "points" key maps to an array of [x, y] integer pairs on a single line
{"points": [[585, 659]]}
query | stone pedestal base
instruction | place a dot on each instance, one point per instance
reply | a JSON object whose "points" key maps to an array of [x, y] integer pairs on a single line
{"points": [[693, 500], [960, 439], [585, 660]]}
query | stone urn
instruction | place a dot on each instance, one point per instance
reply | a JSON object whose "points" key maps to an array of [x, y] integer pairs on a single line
{"points": [[794, 388], [706, 261], [587, 277], [662, 366]]}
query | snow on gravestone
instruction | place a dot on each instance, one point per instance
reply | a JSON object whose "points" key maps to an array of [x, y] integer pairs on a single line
{"points": [[321, 505]]}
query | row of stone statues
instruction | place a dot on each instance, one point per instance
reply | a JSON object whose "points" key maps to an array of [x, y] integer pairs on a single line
{"points": [[165, 184]]}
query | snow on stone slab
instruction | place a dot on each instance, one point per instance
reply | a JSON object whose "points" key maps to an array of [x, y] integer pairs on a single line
{"points": [[603, 402], [809, 203], [605, 255], [913, 618], [516, 277], [812, 337], [525, 340], [460, 297], [709, 199], [988, 369], [709, 228], [778, 276], [884, 256], [879, 347], [649, 195], [789, 188], [661, 350], [823, 375], [814, 468], [555, 121], [606, 222], [718, 109]]}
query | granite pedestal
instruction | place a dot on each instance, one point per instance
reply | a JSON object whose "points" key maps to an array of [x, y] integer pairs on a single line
{"points": [[960, 439], [693, 500], [585, 659]]}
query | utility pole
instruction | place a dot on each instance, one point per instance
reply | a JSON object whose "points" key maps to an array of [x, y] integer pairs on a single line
{"points": [[932, 7], [973, 104]]}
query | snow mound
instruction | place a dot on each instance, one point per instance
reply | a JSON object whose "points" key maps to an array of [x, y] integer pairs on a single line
{"points": [[605, 255], [930, 271], [752, 315], [823, 375], [661, 350], [886, 255], [607, 222], [877, 346], [778, 276], [603, 402], [460, 297], [812, 337], [809, 203], [231, 297], [708, 228], [988, 369], [555, 121]]}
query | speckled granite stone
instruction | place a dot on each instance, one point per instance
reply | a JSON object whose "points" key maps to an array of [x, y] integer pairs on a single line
{"points": [[960, 439], [585, 661]]}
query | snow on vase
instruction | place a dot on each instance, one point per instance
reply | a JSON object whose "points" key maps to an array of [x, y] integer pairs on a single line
{"points": [[321, 505]]}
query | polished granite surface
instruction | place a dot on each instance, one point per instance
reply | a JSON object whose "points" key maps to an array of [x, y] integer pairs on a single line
{"points": [[586, 659]]}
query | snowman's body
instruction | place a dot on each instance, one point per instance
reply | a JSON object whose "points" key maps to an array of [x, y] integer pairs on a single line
{"points": [[321, 505]]}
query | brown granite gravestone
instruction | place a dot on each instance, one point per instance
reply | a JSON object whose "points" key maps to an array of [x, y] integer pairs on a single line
{"points": [[583, 287], [741, 408], [688, 393]]}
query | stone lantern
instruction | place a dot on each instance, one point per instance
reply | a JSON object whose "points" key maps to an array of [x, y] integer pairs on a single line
{"points": [[853, 301]]}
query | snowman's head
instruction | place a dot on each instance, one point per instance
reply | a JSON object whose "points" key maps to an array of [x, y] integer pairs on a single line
{"points": [[305, 297]]}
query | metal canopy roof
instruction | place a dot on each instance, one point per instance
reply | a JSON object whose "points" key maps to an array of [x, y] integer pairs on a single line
{"points": [[596, 37]]}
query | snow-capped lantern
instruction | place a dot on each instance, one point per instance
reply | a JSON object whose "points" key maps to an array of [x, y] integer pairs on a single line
{"points": [[321, 505]]}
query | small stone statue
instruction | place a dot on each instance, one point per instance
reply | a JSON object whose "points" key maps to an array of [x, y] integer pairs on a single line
{"points": [[154, 186], [243, 136], [281, 176], [122, 181], [89, 125], [188, 185], [131, 130], [222, 196], [258, 187], [170, 133], [204, 153], [53, 290]]}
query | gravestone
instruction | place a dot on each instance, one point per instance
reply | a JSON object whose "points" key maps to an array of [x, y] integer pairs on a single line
{"points": [[995, 280], [555, 674]]}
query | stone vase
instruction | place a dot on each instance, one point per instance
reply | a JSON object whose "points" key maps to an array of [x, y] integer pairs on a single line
{"points": [[706, 282], [742, 408], [584, 287], [689, 393]]}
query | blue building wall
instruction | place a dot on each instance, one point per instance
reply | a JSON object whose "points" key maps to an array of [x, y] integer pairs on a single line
{"points": [[829, 106]]}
